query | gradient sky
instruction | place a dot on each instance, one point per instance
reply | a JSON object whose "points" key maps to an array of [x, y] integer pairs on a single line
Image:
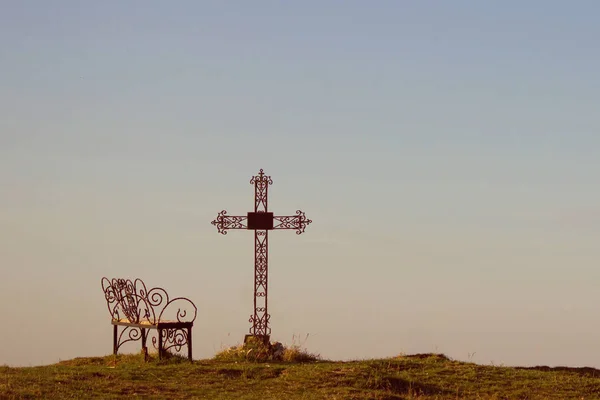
{"points": [[447, 153]]}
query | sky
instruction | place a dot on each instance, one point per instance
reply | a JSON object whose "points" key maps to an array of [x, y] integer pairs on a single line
{"points": [[447, 153]]}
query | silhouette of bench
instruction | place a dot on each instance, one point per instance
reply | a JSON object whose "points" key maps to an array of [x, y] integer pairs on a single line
{"points": [[139, 310]]}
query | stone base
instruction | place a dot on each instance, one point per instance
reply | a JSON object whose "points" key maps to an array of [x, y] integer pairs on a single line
{"points": [[259, 338]]}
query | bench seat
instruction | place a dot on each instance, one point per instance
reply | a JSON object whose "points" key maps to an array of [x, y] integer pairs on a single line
{"points": [[148, 325]]}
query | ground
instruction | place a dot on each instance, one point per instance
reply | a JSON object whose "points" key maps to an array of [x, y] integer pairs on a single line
{"points": [[426, 376]]}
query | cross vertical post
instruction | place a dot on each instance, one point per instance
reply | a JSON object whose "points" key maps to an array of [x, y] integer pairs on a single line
{"points": [[260, 318], [261, 221]]}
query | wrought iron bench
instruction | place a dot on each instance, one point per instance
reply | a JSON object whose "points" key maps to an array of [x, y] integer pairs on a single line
{"points": [[138, 310]]}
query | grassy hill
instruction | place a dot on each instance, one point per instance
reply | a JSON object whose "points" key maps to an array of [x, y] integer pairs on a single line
{"points": [[421, 376]]}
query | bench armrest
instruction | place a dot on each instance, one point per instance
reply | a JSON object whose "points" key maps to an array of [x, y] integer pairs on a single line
{"points": [[180, 309]]}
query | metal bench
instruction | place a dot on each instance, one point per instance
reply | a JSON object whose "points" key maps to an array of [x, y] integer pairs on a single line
{"points": [[139, 310]]}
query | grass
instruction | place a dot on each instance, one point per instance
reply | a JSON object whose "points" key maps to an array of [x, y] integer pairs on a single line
{"points": [[421, 376]]}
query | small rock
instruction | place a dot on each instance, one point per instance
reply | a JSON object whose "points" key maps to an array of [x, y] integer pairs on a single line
{"points": [[277, 349]]}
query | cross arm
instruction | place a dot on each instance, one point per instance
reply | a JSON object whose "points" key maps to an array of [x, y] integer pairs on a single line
{"points": [[224, 222], [297, 222]]}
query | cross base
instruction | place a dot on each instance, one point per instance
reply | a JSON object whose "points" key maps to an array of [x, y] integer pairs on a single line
{"points": [[265, 339]]}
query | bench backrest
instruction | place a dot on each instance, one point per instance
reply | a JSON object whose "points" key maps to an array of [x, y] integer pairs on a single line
{"points": [[130, 300]]}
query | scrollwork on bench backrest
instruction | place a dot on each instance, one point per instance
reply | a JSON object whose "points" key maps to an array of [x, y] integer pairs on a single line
{"points": [[130, 300]]}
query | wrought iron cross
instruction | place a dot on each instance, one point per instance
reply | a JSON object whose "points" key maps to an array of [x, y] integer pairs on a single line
{"points": [[261, 221]]}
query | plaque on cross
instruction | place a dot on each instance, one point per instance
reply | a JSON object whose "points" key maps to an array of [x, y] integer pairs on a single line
{"points": [[261, 221]]}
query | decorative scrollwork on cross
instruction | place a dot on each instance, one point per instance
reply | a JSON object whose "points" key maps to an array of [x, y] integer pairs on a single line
{"points": [[223, 222], [261, 183], [260, 322], [298, 222]]}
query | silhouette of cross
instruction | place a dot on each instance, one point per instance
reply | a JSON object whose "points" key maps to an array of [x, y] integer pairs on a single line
{"points": [[261, 221]]}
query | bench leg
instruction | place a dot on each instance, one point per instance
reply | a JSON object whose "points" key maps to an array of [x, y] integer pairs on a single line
{"points": [[115, 332], [160, 344], [189, 338], [144, 348]]}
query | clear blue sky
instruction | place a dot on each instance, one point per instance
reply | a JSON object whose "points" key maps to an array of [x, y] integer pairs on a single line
{"points": [[447, 153]]}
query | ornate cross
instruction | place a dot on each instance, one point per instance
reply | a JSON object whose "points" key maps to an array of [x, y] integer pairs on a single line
{"points": [[261, 222]]}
